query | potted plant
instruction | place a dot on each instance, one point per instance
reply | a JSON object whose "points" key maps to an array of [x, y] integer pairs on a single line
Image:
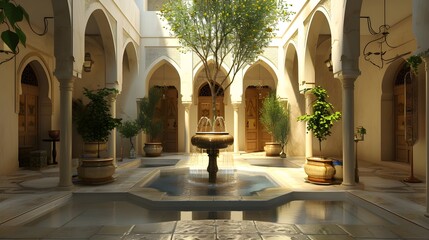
{"points": [[150, 122], [94, 123], [320, 122], [275, 118], [130, 129]]}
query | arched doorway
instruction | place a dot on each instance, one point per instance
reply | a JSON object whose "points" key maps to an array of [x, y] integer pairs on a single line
{"points": [[256, 134], [28, 119], [205, 102], [405, 114]]}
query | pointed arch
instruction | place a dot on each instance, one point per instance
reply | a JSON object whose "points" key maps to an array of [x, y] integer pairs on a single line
{"points": [[98, 24], [155, 66]]}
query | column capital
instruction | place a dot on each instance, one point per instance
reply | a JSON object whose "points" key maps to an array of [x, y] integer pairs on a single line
{"points": [[66, 84], [235, 105], [351, 74], [187, 105]]}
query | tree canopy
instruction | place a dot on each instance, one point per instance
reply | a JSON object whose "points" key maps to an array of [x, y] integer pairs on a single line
{"points": [[323, 117], [231, 32]]}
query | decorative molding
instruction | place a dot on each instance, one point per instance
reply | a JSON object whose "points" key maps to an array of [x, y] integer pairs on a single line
{"points": [[271, 53], [154, 53], [327, 5]]}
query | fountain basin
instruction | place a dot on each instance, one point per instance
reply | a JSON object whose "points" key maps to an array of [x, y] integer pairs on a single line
{"points": [[212, 140], [182, 182]]}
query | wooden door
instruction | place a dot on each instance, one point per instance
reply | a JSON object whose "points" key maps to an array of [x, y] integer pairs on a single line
{"points": [[205, 107], [256, 134], [205, 103], [28, 121], [403, 152], [169, 106]]}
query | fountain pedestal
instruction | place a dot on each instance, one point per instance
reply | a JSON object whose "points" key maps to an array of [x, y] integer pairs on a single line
{"points": [[212, 142], [212, 168]]}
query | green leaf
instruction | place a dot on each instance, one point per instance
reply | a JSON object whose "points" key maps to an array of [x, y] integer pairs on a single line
{"points": [[24, 13], [2, 17], [13, 13], [11, 39], [21, 36]]}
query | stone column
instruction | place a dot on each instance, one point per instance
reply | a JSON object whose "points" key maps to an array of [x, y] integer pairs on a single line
{"points": [[112, 139], [426, 61], [349, 157], [187, 135], [65, 161], [309, 134], [236, 106]]}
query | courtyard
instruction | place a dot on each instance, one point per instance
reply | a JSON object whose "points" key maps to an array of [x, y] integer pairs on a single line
{"points": [[381, 206]]}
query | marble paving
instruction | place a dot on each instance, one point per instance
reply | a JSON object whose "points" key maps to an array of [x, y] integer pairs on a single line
{"points": [[26, 194]]}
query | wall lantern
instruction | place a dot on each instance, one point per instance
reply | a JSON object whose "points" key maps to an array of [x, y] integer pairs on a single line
{"points": [[87, 64]]}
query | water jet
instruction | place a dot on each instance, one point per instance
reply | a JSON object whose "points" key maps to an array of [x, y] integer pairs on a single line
{"points": [[212, 137]]}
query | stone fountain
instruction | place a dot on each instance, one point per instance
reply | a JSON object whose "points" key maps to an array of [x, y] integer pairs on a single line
{"points": [[212, 137]]}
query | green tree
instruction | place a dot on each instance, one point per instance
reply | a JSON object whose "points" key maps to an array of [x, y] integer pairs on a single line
{"points": [[323, 117], [94, 121], [234, 32], [10, 15], [275, 117], [147, 117], [129, 129]]}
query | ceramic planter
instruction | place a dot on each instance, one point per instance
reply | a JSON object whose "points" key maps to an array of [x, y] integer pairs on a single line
{"points": [[272, 149], [153, 149], [96, 170], [90, 149], [319, 170]]}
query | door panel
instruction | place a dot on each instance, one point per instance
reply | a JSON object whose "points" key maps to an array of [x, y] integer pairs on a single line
{"points": [[205, 109], [169, 106], [256, 134], [28, 121], [403, 152]]}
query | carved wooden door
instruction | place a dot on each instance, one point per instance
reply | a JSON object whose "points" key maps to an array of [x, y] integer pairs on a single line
{"points": [[256, 134], [403, 152], [28, 121], [169, 106], [205, 103]]}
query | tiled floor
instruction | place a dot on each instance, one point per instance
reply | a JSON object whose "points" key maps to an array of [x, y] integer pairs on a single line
{"points": [[26, 194]]}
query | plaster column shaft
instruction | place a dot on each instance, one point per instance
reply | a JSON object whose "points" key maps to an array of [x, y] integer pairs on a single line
{"points": [[112, 139], [65, 161], [349, 159], [309, 134], [187, 135], [426, 61], [236, 107]]}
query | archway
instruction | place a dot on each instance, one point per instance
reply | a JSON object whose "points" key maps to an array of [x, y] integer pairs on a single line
{"points": [[102, 72], [258, 84], [167, 79], [35, 110], [404, 109], [318, 56], [296, 102], [205, 102]]}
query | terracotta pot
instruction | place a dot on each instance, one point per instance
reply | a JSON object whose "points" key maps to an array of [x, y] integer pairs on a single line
{"points": [[153, 149], [319, 170], [272, 149], [96, 170]]}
